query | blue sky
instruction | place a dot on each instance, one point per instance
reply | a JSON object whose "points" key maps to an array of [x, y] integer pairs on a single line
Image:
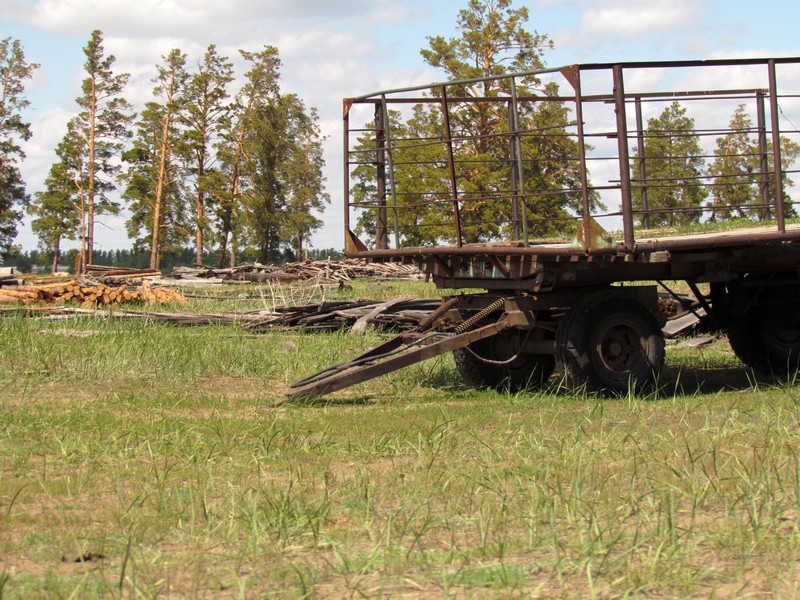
{"points": [[335, 49]]}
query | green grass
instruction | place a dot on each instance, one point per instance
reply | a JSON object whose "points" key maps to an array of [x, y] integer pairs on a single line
{"points": [[146, 460]]}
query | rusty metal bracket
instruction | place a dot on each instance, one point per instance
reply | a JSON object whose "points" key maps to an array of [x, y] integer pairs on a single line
{"points": [[353, 245]]}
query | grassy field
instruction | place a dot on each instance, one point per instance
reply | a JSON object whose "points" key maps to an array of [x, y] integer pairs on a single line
{"points": [[146, 460]]}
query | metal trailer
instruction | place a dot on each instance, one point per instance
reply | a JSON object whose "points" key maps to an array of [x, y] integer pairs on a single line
{"points": [[515, 158]]}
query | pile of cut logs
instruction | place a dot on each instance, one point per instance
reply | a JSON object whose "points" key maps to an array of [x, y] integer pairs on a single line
{"points": [[88, 295], [117, 276]]}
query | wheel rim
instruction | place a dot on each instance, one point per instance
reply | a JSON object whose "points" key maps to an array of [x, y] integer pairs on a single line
{"points": [[621, 346]]}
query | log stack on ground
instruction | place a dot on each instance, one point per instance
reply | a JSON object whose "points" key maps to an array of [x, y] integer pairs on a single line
{"points": [[89, 294], [120, 275]]}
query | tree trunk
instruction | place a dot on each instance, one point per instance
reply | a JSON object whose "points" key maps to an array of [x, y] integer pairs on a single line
{"points": [[80, 258], [91, 141], [228, 226], [223, 247], [200, 206], [56, 255], [200, 218], [155, 244]]}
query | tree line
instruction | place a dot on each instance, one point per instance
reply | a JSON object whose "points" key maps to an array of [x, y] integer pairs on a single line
{"points": [[239, 171], [27, 261]]}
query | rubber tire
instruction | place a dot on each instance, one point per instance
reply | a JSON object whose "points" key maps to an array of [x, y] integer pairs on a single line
{"points": [[528, 372], [609, 342], [767, 337]]}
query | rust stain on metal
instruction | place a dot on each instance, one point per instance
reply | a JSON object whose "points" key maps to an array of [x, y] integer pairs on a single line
{"points": [[353, 245], [596, 238], [572, 74], [347, 105]]}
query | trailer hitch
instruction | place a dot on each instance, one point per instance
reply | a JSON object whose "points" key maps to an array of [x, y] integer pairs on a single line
{"points": [[406, 349]]}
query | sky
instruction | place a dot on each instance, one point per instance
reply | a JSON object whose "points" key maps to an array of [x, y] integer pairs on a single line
{"points": [[332, 50]]}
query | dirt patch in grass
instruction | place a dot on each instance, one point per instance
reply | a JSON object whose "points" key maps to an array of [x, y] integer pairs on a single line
{"points": [[235, 389]]}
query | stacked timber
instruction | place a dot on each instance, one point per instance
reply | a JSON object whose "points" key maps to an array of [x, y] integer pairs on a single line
{"points": [[120, 275], [89, 295]]}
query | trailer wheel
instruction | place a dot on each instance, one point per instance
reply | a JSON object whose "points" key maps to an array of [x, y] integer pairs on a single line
{"points": [[767, 338], [479, 368], [610, 342]]}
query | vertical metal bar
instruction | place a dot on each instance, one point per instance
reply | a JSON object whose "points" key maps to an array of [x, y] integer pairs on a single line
{"points": [[387, 127], [514, 176], [624, 161], [763, 168], [448, 136], [776, 147], [381, 234], [642, 166], [346, 167], [520, 164], [587, 209]]}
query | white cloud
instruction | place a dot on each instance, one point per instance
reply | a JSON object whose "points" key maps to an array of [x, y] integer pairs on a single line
{"points": [[146, 18], [633, 19]]}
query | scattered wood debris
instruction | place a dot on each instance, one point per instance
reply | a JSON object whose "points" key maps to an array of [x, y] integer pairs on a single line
{"points": [[88, 295], [399, 314], [684, 323], [699, 341], [325, 270]]}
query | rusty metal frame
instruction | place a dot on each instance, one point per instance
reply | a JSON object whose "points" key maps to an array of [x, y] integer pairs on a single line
{"points": [[631, 244]]}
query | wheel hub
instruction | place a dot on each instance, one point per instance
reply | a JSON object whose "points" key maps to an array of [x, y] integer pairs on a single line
{"points": [[621, 347]]}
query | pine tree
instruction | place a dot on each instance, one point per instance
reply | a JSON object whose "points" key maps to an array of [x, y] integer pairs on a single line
{"points": [[171, 82], [14, 71], [493, 41], [207, 114], [674, 165], [284, 175], [104, 123], [155, 177], [59, 209], [261, 87], [734, 169], [304, 181]]}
